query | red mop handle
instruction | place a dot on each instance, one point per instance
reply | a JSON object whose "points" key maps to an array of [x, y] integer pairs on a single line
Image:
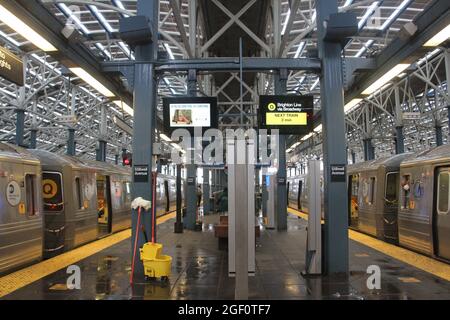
{"points": [[136, 238], [154, 207]]}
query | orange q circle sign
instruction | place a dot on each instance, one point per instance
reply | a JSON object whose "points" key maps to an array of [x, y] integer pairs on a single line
{"points": [[49, 189]]}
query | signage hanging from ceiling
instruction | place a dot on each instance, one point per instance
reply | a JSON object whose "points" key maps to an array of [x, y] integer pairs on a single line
{"points": [[289, 114], [11, 67], [189, 113]]}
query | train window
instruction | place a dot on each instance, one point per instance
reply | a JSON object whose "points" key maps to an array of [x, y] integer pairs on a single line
{"points": [[406, 191], [31, 197], [52, 191], [372, 190], [443, 192], [127, 191], [78, 194], [391, 188]]}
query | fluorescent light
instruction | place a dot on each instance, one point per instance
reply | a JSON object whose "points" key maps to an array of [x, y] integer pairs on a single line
{"points": [[288, 15], [24, 30], [94, 83], [300, 48], [125, 107], [370, 11], [169, 51], [364, 48], [165, 138], [440, 37], [318, 129], [309, 135], [315, 84], [391, 74], [349, 106], [395, 14]]}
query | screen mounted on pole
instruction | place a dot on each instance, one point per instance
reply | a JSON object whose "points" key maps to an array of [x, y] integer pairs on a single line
{"points": [[189, 113], [289, 114]]}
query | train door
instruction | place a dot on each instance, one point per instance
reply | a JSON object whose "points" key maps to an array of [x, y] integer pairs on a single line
{"points": [[104, 205], [442, 215], [166, 193], [299, 194], [353, 190], [288, 187], [54, 211]]}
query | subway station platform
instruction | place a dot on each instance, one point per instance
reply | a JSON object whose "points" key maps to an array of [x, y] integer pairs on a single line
{"points": [[199, 270]]}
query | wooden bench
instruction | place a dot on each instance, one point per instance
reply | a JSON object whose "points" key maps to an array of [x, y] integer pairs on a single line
{"points": [[221, 232]]}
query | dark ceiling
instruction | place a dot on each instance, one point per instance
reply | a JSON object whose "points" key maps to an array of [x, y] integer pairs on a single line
{"points": [[228, 44]]}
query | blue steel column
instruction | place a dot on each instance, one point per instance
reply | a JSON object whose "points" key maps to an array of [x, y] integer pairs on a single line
{"points": [[20, 126], [334, 146], [399, 137], [71, 142], [191, 189], [280, 89], [145, 90], [33, 139], [369, 152], [400, 140], [438, 129]]}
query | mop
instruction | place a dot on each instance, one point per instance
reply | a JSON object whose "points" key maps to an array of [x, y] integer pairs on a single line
{"points": [[137, 204]]}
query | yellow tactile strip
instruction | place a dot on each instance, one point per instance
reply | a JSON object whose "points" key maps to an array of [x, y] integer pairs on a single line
{"points": [[427, 264], [24, 277]]}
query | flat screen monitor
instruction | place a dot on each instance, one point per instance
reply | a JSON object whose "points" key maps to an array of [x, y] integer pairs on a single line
{"points": [[189, 113]]}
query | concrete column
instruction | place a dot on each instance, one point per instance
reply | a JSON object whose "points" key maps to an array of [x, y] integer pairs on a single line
{"points": [[280, 89], [145, 91], [191, 187], [336, 254]]}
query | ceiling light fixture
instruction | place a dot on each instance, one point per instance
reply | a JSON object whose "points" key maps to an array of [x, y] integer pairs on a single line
{"points": [[24, 30]]}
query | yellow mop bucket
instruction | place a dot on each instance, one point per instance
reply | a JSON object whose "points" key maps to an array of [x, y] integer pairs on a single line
{"points": [[156, 265]]}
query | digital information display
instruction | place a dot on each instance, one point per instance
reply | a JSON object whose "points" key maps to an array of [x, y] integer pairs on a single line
{"points": [[189, 113], [289, 114]]}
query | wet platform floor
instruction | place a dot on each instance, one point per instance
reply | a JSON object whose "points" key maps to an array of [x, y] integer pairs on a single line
{"points": [[199, 271]]}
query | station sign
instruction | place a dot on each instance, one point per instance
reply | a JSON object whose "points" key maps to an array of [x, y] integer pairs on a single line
{"points": [[141, 173], [11, 67], [411, 115], [338, 173], [190, 113], [289, 114]]}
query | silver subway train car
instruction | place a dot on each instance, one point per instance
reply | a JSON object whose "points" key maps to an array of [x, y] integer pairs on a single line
{"points": [[373, 197], [402, 199], [21, 238], [423, 213], [53, 203]]}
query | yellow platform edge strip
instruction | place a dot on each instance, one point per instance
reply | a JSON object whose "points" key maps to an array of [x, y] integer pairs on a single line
{"points": [[419, 261], [24, 277]]}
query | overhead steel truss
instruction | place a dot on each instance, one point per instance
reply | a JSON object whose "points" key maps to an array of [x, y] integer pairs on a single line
{"points": [[51, 97], [424, 93]]}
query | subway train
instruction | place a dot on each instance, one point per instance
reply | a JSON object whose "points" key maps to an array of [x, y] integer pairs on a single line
{"points": [[50, 203], [401, 199]]}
